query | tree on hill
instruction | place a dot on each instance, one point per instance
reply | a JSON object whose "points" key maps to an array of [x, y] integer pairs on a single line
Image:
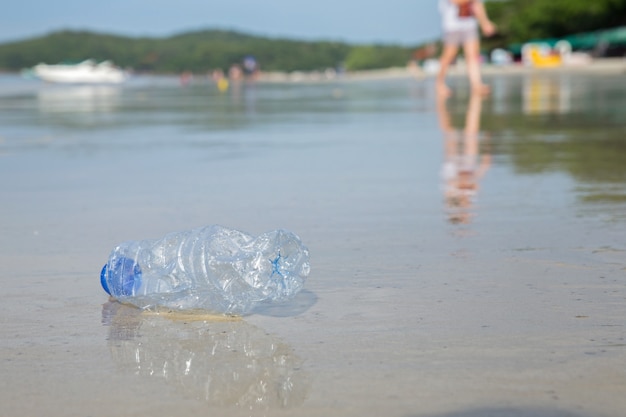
{"points": [[523, 20], [199, 51]]}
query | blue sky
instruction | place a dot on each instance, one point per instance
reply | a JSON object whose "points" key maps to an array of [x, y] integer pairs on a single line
{"points": [[404, 22]]}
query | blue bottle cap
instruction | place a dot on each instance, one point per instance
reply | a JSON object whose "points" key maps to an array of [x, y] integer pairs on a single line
{"points": [[103, 279], [123, 278]]}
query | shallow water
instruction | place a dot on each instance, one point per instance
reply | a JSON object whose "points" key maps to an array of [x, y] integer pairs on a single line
{"points": [[453, 274]]}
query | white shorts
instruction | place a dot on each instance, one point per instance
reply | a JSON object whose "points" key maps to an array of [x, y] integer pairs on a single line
{"points": [[459, 37]]}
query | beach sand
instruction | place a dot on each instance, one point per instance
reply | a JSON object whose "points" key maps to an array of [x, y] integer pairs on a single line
{"points": [[612, 66], [518, 311]]}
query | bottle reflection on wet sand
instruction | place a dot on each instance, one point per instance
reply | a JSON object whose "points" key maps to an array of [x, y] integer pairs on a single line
{"points": [[226, 363], [463, 164]]}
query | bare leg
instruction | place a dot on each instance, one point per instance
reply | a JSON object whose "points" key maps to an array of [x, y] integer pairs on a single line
{"points": [[447, 56], [472, 57]]}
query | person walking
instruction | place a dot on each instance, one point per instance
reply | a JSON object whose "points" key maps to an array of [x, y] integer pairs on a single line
{"points": [[460, 20]]}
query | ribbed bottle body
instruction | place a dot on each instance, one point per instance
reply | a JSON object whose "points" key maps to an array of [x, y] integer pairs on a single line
{"points": [[212, 268]]}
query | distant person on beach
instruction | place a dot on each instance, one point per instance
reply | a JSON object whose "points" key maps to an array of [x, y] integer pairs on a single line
{"points": [[460, 20]]}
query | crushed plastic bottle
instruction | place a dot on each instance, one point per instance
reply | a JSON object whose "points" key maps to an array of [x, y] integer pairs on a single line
{"points": [[212, 268]]}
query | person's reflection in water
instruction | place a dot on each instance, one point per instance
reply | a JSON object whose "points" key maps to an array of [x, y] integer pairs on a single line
{"points": [[227, 363], [464, 164]]}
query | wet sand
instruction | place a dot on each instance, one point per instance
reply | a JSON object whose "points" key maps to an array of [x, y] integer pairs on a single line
{"points": [[513, 305]]}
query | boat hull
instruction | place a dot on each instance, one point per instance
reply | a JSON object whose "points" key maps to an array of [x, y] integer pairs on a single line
{"points": [[86, 72]]}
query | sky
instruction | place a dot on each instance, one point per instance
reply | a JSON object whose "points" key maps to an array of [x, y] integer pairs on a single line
{"points": [[405, 22]]}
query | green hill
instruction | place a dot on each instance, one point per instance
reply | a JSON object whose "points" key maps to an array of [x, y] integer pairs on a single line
{"points": [[198, 51]]}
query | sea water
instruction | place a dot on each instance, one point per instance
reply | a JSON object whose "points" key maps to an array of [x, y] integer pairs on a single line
{"points": [[465, 254]]}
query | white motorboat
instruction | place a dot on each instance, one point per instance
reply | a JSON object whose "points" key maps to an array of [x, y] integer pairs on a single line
{"points": [[86, 72]]}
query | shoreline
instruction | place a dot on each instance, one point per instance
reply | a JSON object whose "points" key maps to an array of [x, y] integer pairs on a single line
{"points": [[601, 66], [597, 66]]}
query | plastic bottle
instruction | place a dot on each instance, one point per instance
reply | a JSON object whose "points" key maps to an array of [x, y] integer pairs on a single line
{"points": [[211, 268]]}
